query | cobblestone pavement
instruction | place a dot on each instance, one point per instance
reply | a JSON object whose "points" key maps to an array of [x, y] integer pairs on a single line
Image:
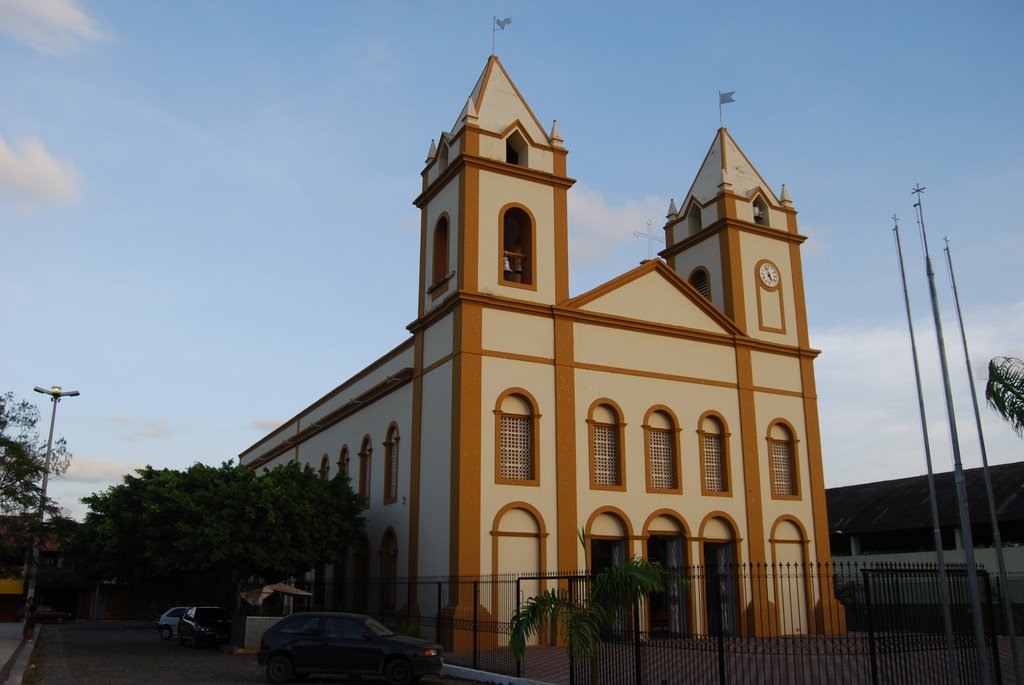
{"points": [[131, 652]]}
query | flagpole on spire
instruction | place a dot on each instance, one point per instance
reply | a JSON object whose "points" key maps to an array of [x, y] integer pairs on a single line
{"points": [[723, 98]]}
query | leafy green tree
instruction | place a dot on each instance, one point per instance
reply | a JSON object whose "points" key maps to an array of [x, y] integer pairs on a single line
{"points": [[187, 532], [584, 618], [22, 461], [1005, 390]]}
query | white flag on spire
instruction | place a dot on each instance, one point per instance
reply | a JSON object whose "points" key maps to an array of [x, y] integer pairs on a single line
{"points": [[502, 23], [725, 97]]}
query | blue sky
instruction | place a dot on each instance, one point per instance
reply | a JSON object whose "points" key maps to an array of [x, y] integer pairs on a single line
{"points": [[197, 198]]}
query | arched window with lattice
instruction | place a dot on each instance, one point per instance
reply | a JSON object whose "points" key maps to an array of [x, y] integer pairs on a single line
{"points": [[516, 423], [607, 464], [662, 455], [713, 441], [782, 463]]}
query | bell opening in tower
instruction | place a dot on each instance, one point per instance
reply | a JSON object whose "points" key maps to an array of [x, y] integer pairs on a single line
{"points": [[517, 250]]}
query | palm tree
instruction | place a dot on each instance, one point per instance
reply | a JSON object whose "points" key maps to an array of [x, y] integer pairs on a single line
{"points": [[1005, 390], [584, 618]]}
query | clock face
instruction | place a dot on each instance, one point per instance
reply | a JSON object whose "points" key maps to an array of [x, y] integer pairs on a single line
{"points": [[769, 275]]}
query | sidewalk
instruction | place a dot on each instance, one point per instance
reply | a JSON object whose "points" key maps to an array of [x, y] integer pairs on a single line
{"points": [[14, 654]]}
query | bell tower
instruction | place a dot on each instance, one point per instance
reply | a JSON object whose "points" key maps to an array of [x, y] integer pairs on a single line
{"points": [[737, 243], [493, 204]]}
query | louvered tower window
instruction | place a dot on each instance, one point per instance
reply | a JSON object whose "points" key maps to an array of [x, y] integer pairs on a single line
{"points": [[699, 279]]}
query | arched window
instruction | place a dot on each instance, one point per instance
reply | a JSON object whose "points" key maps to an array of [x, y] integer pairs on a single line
{"points": [[439, 267], [343, 460], [391, 466], [699, 279], [693, 223], [365, 454], [782, 461], [516, 149], [516, 425], [662, 459], [607, 470], [516, 247], [714, 457], [325, 467]]}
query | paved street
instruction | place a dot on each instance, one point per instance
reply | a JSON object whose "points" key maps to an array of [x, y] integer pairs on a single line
{"points": [[131, 652]]}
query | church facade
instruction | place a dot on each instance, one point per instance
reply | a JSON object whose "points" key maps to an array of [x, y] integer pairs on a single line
{"points": [[669, 413]]}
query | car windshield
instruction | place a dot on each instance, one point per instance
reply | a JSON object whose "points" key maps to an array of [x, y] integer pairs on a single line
{"points": [[377, 627], [211, 614]]}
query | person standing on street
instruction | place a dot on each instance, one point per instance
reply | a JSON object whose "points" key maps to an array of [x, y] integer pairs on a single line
{"points": [[29, 631]]}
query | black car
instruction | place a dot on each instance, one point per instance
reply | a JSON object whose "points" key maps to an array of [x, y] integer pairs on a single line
{"points": [[346, 644], [209, 625]]}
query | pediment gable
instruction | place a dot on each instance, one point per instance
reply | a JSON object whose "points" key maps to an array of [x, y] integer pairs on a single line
{"points": [[653, 293]]}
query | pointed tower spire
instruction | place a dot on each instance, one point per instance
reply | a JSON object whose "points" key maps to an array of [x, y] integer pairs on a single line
{"points": [[432, 152], [672, 211], [556, 135], [470, 116], [784, 197]]}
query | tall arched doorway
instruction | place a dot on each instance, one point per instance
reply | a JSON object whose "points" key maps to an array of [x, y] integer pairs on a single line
{"points": [[721, 577], [666, 543], [792, 586]]}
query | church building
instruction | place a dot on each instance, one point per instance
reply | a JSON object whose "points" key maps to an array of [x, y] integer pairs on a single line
{"points": [[669, 413]]}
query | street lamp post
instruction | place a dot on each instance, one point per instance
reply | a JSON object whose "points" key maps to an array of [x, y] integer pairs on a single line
{"points": [[56, 393]]}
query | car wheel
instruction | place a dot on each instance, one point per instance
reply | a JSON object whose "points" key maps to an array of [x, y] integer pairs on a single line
{"points": [[166, 633], [398, 672], [280, 669]]}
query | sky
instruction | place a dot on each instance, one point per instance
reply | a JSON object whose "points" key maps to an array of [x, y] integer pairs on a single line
{"points": [[197, 198]]}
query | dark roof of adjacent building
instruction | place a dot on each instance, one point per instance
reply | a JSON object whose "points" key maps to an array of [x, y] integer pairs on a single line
{"points": [[903, 504]]}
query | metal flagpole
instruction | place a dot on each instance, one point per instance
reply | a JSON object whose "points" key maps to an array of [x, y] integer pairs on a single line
{"points": [[997, 538], [958, 469], [947, 616]]}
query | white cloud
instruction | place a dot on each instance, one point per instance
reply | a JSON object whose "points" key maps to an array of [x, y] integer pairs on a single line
{"points": [[104, 471], [134, 429], [265, 425], [49, 26], [29, 175]]}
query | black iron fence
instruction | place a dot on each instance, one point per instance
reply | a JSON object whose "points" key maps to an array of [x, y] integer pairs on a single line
{"points": [[784, 623]]}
